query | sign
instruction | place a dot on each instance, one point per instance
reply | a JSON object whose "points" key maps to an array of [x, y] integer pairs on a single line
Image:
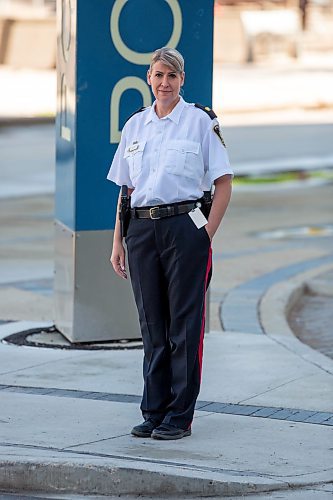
{"points": [[106, 50]]}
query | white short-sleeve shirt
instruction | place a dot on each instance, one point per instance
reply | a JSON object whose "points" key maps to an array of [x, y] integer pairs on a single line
{"points": [[169, 159]]}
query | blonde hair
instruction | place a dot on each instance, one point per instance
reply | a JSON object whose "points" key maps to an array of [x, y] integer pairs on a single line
{"points": [[170, 57]]}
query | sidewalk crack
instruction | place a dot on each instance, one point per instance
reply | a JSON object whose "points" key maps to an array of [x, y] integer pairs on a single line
{"points": [[36, 366], [273, 389], [93, 442]]}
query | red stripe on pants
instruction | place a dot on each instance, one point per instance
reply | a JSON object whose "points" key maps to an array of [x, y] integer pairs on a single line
{"points": [[202, 333]]}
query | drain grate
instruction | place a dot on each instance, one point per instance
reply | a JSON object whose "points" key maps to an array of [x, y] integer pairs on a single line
{"points": [[52, 338]]}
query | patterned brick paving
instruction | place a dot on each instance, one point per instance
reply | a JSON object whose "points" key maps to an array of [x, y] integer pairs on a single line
{"points": [[290, 414]]}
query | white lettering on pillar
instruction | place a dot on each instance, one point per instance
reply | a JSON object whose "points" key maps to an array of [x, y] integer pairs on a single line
{"points": [[65, 131], [66, 27], [129, 82], [143, 57], [66, 39], [140, 58]]}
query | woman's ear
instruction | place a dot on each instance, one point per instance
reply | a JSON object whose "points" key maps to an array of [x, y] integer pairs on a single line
{"points": [[182, 79], [148, 78]]}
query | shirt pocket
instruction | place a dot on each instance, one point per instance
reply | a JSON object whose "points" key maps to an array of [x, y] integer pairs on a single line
{"points": [[133, 155], [184, 158]]}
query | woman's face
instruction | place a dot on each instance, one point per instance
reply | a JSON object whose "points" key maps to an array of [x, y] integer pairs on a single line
{"points": [[165, 83]]}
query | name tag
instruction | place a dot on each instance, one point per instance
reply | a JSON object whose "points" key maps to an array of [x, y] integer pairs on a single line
{"points": [[198, 217], [134, 147]]}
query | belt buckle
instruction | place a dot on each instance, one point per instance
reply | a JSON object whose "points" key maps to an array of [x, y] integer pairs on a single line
{"points": [[151, 213]]}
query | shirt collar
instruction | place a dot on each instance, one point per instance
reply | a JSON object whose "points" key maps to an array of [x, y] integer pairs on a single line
{"points": [[173, 116]]}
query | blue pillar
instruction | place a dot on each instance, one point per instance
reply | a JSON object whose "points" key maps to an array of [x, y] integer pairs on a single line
{"points": [[104, 49]]}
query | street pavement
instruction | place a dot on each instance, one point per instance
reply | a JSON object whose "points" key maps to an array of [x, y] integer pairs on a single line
{"points": [[303, 146], [264, 417]]}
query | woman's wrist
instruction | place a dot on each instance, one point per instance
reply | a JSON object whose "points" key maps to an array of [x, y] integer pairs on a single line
{"points": [[209, 230], [117, 242]]}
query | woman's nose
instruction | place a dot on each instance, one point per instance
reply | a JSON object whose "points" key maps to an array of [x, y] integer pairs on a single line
{"points": [[165, 81]]}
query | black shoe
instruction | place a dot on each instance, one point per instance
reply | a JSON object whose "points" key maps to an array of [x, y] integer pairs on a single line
{"points": [[168, 432], [144, 430]]}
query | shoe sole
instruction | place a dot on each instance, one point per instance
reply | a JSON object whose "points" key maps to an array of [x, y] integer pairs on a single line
{"points": [[167, 437], [141, 434]]}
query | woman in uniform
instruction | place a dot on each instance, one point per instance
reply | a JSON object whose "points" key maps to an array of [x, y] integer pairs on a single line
{"points": [[169, 154]]}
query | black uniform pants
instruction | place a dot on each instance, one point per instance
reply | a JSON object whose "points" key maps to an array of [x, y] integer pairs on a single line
{"points": [[170, 268]]}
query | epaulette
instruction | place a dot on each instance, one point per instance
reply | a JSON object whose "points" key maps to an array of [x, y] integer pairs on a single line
{"points": [[135, 112], [207, 109]]}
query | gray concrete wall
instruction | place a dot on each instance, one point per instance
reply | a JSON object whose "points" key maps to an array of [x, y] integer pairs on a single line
{"points": [[31, 42], [28, 43]]}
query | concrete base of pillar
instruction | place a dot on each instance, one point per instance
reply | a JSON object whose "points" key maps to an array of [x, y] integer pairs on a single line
{"points": [[91, 302]]}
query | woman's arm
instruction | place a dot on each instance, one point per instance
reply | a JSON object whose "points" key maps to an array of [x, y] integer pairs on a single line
{"points": [[220, 203], [118, 251]]}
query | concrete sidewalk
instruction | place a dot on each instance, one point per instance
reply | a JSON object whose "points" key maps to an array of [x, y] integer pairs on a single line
{"points": [[265, 412], [66, 418]]}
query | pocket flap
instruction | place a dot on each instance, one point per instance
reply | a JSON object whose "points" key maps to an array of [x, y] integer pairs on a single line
{"points": [[184, 146]]}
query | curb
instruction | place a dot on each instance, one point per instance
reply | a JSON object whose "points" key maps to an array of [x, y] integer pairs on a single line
{"points": [[262, 108], [274, 308], [249, 296], [26, 120], [116, 478]]}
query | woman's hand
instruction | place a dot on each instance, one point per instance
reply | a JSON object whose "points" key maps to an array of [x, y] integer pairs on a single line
{"points": [[117, 259], [209, 232], [118, 254], [221, 199]]}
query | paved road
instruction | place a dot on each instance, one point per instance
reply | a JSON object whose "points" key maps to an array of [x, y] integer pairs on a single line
{"points": [[27, 153], [279, 146], [27, 159]]}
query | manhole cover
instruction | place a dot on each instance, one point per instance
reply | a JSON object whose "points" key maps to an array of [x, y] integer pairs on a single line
{"points": [[298, 232], [52, 338]]}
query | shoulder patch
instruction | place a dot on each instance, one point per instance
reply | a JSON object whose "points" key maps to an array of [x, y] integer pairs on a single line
{"points": [[135, 112], [207, 110], [217, 131]]}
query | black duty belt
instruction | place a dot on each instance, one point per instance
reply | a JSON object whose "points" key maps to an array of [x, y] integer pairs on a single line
{"points": [[161, 211]]}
